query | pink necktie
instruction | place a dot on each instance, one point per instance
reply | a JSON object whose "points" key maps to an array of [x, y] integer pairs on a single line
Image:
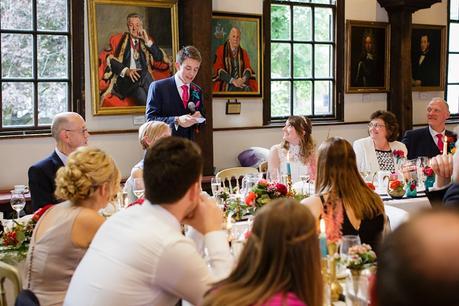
{"points": [[185, 95], [440, 142]]}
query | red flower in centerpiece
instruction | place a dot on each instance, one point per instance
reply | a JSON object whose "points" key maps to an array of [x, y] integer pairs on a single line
{"points": [[10, 238], [428, 171], [395, 184], [371, 186], [250, 198], [281, 188], [413, 186], [137, 202], [398, 153]]}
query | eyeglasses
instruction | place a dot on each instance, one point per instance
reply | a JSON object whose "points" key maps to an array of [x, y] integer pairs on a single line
{"points": [[82, 131], [376, 125]]}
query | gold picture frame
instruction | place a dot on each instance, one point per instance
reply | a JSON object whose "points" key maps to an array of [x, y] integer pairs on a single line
{"points": [[113, 48], [428, 57], [249, 56], [367, 56]]}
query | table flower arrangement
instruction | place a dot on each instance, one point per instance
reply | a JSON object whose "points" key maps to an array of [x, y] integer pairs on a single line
{"points": [[411, 191], [263, 192], [451, 144], [361, 257], [14, 241], [430, 177], [399, 156], [395, 188]]}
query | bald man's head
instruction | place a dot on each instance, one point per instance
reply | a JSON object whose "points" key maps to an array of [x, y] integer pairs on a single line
{"points": [[418, 263]]}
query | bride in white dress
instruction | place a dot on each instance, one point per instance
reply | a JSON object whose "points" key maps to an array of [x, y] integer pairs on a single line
{"points": [[297, 143]]}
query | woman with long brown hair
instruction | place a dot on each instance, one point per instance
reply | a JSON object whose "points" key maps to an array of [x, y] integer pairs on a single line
{"points": [[296, 148], [339, 183], [280, 263]]}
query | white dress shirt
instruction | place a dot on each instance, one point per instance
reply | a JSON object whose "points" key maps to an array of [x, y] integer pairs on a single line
{"points": [[179, 84], [140, 257], [435, 133], [62, 156]]}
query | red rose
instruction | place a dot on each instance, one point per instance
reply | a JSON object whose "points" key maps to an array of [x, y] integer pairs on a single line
{"points": [[281, 188], [395, 184], [428, 171], [371, 186], [398, 153], [412, 186], [250, 198]]}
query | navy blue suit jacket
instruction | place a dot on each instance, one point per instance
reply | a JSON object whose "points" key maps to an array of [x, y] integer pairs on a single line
{"points": [[41, 181], [164, 104], [419, 142]]}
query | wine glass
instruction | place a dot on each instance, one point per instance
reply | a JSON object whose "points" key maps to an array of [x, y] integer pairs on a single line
{"points": [[17, 201], [139, 187], [305, 181], [215, 185], [348, 241]]}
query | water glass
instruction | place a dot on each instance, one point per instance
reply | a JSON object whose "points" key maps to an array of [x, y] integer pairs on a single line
{"points": [[17, 201], [305, 184], [139, 188], [348, 241], [216, 186]]}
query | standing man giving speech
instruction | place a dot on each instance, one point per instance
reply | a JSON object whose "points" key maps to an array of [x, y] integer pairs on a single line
{"points": [[177, 100]]}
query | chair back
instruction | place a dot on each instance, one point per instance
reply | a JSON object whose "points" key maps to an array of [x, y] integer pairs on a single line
{"points": [[263, 167], [8, 272], [230, 175]]}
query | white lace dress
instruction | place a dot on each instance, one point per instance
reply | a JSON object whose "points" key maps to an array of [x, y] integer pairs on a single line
{"points": [[298, 168]]}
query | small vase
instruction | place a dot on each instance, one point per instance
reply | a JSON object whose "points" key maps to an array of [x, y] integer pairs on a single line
{"points": [[430, 180], [355, 275], [411, 193], [396, 194], [335, 288]]}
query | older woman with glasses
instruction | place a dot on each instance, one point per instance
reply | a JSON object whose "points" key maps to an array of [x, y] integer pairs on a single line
{"points": [[376, 152]]}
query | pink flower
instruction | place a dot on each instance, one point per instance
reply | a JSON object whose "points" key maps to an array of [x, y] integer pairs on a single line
{"points": [[263, 182]]}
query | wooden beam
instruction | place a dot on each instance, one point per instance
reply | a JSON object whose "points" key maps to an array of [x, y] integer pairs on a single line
{"points": [[195, 29], [399, 99]]}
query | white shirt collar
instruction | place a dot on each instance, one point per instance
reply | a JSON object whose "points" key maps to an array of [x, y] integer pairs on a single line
{"points": [[163, 214], [434, 133], [178, 81], [62, 156]]}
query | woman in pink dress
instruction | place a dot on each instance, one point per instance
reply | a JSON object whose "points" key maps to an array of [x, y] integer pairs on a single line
{"points": [[280, 263]]}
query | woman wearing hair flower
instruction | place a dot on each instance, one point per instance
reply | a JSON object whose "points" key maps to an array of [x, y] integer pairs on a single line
{"points": [[376, 152], [297, 148], [280, 263], [63, 233], [339, 184]]}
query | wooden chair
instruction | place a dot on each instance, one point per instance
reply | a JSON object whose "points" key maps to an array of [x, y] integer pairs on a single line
{"points": [[228, 175], [263, 167], [8, 272]]}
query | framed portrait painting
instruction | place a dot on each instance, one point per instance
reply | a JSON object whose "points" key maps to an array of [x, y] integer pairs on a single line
{"points": [[132, 43], [367, 56], [428, 57], [237, 55]]}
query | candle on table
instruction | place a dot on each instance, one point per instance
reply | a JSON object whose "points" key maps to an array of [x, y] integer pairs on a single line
{"points": [[323, 238], [445, 145], [229, 225], [289, 169]]}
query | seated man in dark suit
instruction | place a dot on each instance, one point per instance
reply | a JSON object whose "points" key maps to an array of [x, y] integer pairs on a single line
{"points": [[429, 141], [176, 100], [69, 131]]}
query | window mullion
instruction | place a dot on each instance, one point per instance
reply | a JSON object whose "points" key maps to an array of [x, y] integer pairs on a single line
{"points": [[35, 64]]}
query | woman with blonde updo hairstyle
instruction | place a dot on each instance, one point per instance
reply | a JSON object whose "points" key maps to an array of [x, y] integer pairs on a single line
{"points": [[88, 182], [149, 133], [280, 262]]}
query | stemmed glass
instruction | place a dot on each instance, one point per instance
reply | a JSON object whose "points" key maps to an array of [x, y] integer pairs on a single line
{"points": [[17, 201], [216, 186], [348, 241], [139, 187], [305, 181]]}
